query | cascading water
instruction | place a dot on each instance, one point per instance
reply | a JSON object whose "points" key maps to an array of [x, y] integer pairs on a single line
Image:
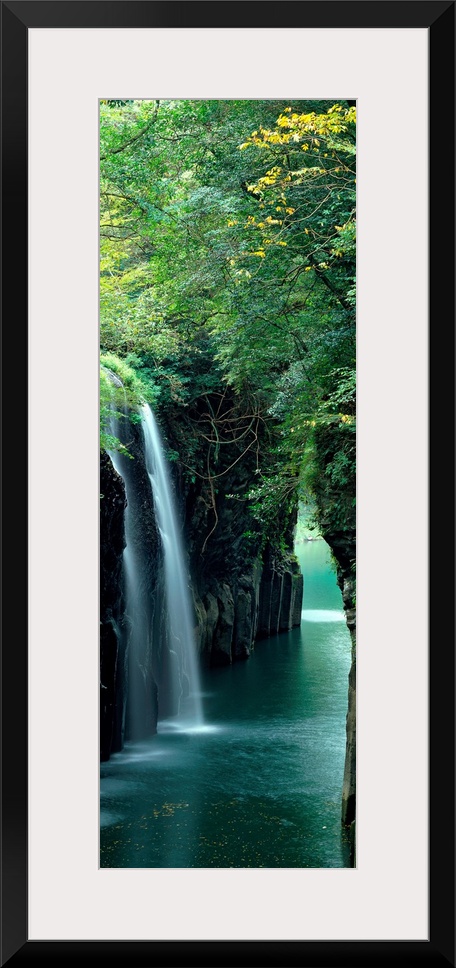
{"points": [[157, 670], [182, 645], [136, 683]]}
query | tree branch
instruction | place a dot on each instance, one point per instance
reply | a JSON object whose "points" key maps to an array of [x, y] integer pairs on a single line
{"points": [[116, 151]]}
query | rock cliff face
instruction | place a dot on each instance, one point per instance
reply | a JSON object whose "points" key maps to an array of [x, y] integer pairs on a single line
{"points": [[241, 590], [112, 531], [344, 550], [334, 486], [127, 670], [265, 598], [349, 785], [281, 593], [139, 699]]}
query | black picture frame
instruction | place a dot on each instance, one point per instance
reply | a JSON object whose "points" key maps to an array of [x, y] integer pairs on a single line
{"points": [[17, 16]]}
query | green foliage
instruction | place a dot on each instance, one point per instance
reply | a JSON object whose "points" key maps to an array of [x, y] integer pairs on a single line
{"points": [[306, 525], [133, 387], [331, 477], [227, 294], [122, 393]]}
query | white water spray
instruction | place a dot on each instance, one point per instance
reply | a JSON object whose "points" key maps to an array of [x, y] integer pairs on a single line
{"points": [[136, 702], [180, 624], [137, 635]]}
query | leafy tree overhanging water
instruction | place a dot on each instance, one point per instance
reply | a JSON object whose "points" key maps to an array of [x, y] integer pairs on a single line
{"points": [[227, 292]]}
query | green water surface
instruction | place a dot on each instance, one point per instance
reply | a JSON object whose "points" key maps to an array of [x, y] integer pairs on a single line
{"points": [[260, 785]]}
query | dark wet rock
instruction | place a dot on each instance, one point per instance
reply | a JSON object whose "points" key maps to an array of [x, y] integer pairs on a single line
{"points": [[112, 543], [343, 547]]}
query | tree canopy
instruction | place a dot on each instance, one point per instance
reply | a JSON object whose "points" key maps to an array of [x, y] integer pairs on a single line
{"points": [[227, 287]]}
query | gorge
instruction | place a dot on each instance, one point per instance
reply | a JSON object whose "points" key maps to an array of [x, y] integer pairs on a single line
{"points": [[227, 417], [245, 727], [154, 634]]}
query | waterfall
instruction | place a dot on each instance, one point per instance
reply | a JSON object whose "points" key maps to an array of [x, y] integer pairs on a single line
{"points": [[137, 700], [182, 644], [157, 670]]}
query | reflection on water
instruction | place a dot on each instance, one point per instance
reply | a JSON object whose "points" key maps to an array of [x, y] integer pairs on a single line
{"points": [[322, 615], [259, 785]]}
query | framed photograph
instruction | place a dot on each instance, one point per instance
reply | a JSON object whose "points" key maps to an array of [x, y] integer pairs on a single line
{"points": [[61, 61]]}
